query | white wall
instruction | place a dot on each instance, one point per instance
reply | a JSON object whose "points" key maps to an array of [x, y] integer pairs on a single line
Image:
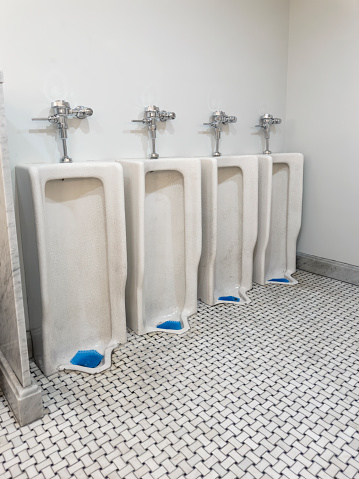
{"points": [[323, 123], [194, 56], [118, 56]]}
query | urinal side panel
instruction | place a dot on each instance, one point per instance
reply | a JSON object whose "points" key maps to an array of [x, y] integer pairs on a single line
{"points": [[265, 166], [193, 232], [134, 190], [295, 162], [209, 181], [117, 251], [276, 253], [250, 221], [295, 201]]}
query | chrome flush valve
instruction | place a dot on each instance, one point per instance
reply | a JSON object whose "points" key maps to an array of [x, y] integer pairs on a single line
{"points": [[151, 115], [220, 118], [63, 111], [265, 122]]}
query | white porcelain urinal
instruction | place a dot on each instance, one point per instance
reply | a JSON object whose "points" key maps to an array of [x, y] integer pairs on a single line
{"points": [[229, 225], [280, 213], [163, 224], [74, 248]]}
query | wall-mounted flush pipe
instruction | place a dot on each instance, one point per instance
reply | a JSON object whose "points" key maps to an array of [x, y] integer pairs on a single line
{"points": [[63, 111], [219, 118], [151, 115], [265, 122]]}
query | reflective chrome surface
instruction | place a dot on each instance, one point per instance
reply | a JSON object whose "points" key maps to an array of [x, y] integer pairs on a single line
{"points": [[219, 118], [152, 114], [63, 111], [265, 122]]}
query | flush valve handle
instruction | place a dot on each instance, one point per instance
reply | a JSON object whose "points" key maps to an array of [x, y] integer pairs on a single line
{"points": [[51, 119]]}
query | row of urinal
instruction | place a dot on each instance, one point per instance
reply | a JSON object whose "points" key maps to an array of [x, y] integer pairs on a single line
{"points": [[102, 241], [251, 221]]}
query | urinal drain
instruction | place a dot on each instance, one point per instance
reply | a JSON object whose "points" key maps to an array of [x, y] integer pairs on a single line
{"points": [[229, 298], [278, 280], [89, 358], [170, 325]]}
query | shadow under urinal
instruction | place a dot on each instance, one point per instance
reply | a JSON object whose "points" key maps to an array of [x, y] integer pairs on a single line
{"points": [[279, 219], [229, 224], [74, 248], [163, 226]]}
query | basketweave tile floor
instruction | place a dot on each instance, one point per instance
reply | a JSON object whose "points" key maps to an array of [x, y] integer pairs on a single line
{"points": [[269, 390]]}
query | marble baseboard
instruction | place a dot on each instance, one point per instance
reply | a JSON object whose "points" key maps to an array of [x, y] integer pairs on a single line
{"points": [[25, 402], [328, 267]]}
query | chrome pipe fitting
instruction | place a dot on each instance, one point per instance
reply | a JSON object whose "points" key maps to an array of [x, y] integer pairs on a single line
{"points": [[219, 118], [62, 111], [265, 122], [150, 116]]}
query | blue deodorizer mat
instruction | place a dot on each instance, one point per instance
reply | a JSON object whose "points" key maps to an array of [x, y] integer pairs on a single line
{"points": [[279, 280], [229, 298], [170, 325], [89, 358]]}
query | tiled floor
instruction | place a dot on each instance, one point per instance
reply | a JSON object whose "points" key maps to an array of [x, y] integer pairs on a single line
{"points": [[269, 390]]}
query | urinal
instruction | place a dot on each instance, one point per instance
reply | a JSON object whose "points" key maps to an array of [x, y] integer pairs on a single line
{"points": [[72, 226], [163, 226], [229, 225], [279, 219]]}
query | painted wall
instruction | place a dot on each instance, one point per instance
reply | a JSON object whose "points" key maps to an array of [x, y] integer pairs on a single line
{"points": [[118, 56], [193, 57], [323, 123]]}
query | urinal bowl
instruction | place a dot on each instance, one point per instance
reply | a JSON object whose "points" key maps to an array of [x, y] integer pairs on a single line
{"points": [[163, 224], [279, 219], [72, 226], [229, 225]]}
